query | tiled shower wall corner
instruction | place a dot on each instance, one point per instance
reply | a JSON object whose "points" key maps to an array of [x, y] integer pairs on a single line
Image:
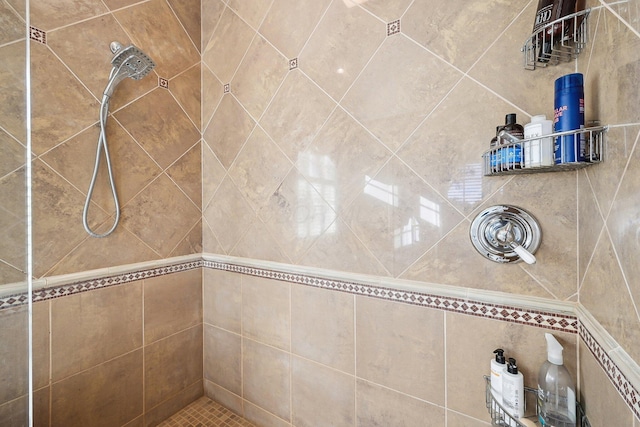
{"points": [[340, 142], [339, 136], [290, 354], [125, 355], [153, 134]]}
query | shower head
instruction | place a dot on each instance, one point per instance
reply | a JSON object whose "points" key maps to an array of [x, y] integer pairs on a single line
{"points": [[127, 62], [135, 63]]}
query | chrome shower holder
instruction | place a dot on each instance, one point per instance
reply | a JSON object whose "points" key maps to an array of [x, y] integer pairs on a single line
{"points": [[506, 234]]}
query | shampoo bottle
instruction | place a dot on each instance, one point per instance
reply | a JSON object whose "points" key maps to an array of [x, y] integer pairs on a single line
{"points": [[513, 391], [538, 152], [556, 390], [512, 154], [497, 369], [543, 40]]}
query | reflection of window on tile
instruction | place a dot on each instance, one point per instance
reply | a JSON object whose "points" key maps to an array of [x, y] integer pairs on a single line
{"points": [[313, 215], [407, 235], [430, 211], [351, 3], [469, 189], [387, 193]]}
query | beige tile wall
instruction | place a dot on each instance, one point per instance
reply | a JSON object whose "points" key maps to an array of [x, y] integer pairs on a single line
{"points": [[154, 133], [123, 355], [354, 360], [345, 162], [363, 155]]}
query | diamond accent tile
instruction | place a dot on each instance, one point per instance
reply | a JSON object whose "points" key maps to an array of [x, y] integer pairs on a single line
{"points": [[293, 64], [227, 88], [393, 27], [163, 83], [37, 35]]}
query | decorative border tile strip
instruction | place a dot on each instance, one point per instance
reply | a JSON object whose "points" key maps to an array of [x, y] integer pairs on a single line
{"points": [[104, 282], [13, 301], [98, 283], [553, 321], [546, 320], [627, 391]]}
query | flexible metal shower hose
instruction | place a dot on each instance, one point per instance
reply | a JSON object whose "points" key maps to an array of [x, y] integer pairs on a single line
{"points": [[102, 145]]}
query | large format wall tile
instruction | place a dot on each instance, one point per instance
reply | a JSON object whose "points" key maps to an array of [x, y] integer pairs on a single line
{"points": [[322, 327], [265, 380], [381, 406], [172, 365], [223, 359], [409, 82], [161, 203], [160, 126], [382, 328], [331, 62], [61, 106], [265, 311], [104, 396], [222, 300], [298, 17], [106, 323], [227, 46], [184, 291], [321, 396], [149, 24]]}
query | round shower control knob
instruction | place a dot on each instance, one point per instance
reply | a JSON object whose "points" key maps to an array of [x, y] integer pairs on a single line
{"points": [[506, 234]]}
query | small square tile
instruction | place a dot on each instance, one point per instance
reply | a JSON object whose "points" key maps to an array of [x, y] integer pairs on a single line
{"points": [[38, 35], [393, 27], [227, 88]]}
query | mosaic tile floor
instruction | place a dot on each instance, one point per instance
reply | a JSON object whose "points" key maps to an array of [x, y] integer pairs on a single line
{"points": [[204, 412]]}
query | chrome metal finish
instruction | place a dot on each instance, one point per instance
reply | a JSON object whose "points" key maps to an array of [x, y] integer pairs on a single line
{"points": [[115, 47], [497, 232], [559, 41], [594, 137], [127, 62]]}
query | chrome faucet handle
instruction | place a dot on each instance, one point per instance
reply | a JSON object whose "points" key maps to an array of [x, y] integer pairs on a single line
{"points": [[505, 235]]}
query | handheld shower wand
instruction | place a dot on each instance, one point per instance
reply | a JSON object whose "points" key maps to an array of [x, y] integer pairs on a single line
{"points": [[127, 62]]}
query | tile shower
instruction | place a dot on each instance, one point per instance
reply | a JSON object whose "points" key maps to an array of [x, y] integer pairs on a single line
{"points": [[282, 146]]}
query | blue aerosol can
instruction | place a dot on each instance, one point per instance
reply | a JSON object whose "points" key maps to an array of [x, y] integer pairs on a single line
{"points": [[569, 115]]}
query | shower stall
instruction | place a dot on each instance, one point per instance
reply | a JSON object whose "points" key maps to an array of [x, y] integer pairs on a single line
{"points": [[293, 212]]}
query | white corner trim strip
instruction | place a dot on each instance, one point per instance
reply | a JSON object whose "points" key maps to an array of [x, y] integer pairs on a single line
{"points": [[622, 370]]}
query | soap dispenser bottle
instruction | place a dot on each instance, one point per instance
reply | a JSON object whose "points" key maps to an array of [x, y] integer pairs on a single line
{"points": [[497, 369], [556, 390], [513, 391]]}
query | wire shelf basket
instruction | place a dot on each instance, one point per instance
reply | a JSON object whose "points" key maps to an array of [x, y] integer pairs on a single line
{"points": [[501, 418], [499, 415], [559, 41], [536, 154]]}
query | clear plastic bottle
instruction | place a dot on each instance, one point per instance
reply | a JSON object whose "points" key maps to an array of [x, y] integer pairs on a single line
{"points": [[556, 389]]}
